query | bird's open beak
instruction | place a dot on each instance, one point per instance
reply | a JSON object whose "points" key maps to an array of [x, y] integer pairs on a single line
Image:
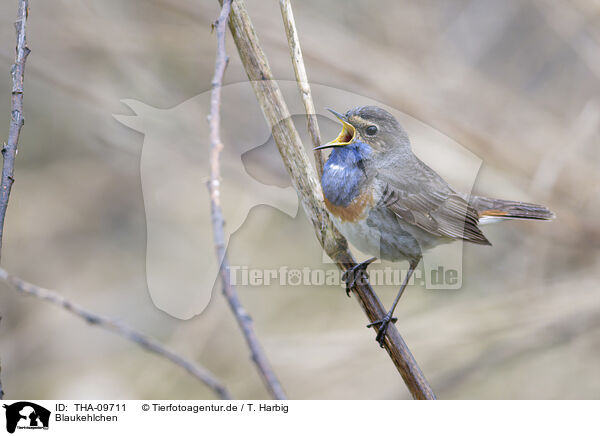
{"points": [[346, 136]]}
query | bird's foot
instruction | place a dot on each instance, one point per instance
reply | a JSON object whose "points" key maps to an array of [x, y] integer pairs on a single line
{"points": [[357, 274], [383, 325]]}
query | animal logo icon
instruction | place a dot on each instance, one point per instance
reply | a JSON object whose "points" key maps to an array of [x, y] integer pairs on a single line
{"points": [[26, 415]]}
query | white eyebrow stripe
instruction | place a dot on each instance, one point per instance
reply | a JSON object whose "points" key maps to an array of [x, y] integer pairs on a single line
{"points": [[360, 120]]}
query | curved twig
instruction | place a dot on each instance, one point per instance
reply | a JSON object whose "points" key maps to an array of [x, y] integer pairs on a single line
{"points": [[9, 151], [216, 145], [116, 327], [306, 184]]}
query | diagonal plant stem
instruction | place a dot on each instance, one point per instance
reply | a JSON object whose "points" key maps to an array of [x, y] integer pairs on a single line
{"points": [[306, 184], [302, 80], [216, 145], [116, 327], [9, 150]]}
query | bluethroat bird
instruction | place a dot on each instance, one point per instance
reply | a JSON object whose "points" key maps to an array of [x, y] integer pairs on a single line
{"points": [[389, 204]]}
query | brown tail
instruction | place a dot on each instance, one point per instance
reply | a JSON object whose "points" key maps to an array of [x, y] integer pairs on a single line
{"points": [[502, 209]]}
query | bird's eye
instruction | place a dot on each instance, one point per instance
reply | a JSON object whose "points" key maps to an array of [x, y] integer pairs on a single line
{"points": [[371, 130]]}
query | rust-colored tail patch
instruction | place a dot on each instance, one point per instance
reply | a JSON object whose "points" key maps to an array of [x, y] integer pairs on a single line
{"points": [[488, 207], [492, 212]]}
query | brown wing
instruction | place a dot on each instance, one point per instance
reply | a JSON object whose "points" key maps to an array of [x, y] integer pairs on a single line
{"points": [[422, 198]]}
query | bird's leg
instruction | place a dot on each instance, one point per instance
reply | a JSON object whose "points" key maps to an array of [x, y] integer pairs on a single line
{"points": [[357, 272], [385, 321]]}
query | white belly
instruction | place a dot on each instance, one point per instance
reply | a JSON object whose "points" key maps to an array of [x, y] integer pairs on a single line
{"points": [[364, 237], [401, 240]]}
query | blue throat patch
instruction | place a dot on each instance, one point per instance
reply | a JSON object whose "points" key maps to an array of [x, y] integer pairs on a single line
{"points": [[343, 173]]}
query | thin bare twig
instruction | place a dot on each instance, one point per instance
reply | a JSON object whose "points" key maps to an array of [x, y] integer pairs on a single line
{"points": [[306, 183], [243, 319], [116, 327], [9, 151], [1, 388], [302, 80]]}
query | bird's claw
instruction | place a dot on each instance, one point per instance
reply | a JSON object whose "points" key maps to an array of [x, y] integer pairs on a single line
{"points": [[358, 273], [353, 275], [383, 324]]}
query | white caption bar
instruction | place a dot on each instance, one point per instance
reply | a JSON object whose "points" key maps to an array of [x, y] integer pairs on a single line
{"points": [[299, 417]]}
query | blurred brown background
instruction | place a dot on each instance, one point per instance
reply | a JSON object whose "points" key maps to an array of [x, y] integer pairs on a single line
{"points": [[515, 82]]}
